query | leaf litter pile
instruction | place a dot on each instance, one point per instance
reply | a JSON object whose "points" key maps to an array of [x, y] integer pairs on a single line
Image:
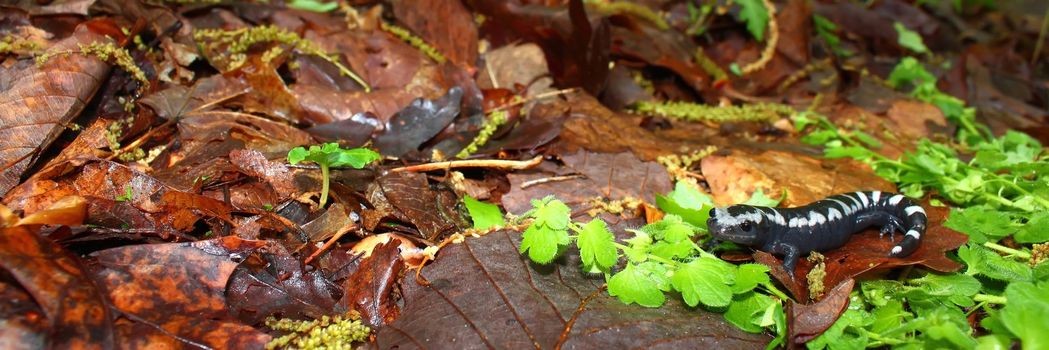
{"points": [[515, 174]]}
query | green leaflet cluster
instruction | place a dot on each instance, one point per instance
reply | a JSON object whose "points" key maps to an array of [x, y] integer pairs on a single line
{"points": [[662, 257], [999, 190]]}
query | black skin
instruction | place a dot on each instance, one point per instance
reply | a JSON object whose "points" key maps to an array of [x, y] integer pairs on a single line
{"points": [[889, 213]]}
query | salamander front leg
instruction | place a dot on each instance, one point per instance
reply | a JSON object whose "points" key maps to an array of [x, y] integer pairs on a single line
{"points": [[790, 255]]}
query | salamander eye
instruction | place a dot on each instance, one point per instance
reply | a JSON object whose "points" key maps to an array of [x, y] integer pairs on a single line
{"points": [[745, 226]]}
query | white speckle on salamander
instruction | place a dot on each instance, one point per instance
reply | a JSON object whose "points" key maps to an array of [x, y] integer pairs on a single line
{"points": [[914, 209], [724, 218], [896, 199], [875, 196], [863, 198], [833, 214], [914, 234]]}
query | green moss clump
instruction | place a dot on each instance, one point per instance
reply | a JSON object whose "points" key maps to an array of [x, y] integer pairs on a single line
{"points": [[629, 8], [339, 332], [414, 41], [816, 275], [758, 112], [492, 123], [233, 46], [108, 52]]}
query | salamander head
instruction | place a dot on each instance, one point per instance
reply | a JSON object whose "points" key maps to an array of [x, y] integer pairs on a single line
{"points": [[738, 224]]}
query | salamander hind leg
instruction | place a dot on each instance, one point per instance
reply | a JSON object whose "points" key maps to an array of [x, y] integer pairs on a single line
{"points": [[892, 226]]}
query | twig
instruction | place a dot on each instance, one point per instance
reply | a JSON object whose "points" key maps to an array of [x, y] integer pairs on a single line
{"points": [[331, 241], [538, 97], [770, 46], [1041, 37], [544, 180], [473, 163]]}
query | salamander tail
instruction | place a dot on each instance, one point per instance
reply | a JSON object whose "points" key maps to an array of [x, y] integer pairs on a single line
{"points": [[907, 245]]}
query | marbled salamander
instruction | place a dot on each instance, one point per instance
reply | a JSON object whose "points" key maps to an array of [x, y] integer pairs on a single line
{"points": [[820, 226]]}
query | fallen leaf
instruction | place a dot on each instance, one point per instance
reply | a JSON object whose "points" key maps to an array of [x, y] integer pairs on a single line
{"points": [[46, 98], [77, 314], [179, 288], [417, 123], [486, 295], [808, 321]]}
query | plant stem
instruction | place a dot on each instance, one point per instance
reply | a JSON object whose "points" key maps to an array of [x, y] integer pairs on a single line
{"points": [[1012, 252], [324, 186], [990, 299]]}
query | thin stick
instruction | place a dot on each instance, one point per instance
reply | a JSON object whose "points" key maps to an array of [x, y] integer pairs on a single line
{"points": [[544, 180], [331, 241], [473, 163], [1041, 37]]}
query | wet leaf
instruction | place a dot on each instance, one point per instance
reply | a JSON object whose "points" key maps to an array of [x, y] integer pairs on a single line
{"points": [[417, 123], [179, 287], [77, 314], [487, 295], [46, 99]]}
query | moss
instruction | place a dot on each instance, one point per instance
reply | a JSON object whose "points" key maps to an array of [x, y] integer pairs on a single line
{"points": [[678, 165], [758, 112], [19, 46], [108, 52], [493, 121], [233, 46], [600, 205], [1039, 253], [339, 332], [414, 41], [628, 8], [816, 275]]}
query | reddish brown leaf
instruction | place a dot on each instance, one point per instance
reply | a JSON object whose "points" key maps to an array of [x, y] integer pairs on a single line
{"points": [[25, 328], [369, 290], [609, 176], [253, 163], [177, 287], [484, 294], [445, 24], [45, 99], [808, 321], [734, 177], [409, 198], [76, 311], [284, 287]]}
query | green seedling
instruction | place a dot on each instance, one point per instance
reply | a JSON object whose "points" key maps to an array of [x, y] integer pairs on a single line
{"points": [[331, 155]]}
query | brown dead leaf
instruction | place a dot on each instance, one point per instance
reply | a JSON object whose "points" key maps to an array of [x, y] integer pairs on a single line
{"points": [[47, 98], [483, 294], [808, 321], [607, 176], [282, 286], [179, 287], [733, 178], [445, 24], [76, 311], [369, 290], [409, 198]]}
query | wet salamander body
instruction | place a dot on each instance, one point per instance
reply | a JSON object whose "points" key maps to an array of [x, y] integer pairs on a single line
{"points": [[826, 224]]}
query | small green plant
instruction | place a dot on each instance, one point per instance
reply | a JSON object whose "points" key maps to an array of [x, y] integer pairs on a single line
{"points": [[484, 215], [331, 155], [1000, 190], [339, 332], [313, 5], [661, 257], [910, 39]]}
